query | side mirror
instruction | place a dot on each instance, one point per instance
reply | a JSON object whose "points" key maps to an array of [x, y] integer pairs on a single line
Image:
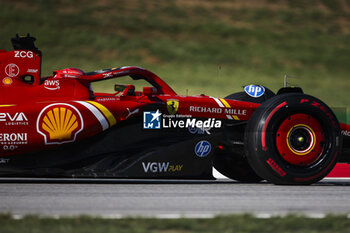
{"points": [[148, 91]]}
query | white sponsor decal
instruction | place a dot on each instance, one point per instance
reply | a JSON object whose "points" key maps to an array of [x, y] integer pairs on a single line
{"points": [[191, 123], [13, 138], [10, 147], [203, 130], [24, 54], [131, 113], [205, 109], [18, 118], [345, 133], [2, 160], [110, 99], [107, 75], [12, 70], [231, 111], [32, 70], [52, 85], [157, 167]]}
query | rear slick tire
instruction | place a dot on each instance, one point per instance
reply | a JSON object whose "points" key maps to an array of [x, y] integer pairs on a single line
{"points": [[292, 139], [234, 166], [232, 162]]}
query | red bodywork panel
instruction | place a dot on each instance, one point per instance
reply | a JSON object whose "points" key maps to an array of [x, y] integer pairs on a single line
{"points": [[40, 113]]}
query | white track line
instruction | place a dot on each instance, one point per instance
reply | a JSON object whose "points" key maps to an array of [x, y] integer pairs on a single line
{"points": [[184, 215]]}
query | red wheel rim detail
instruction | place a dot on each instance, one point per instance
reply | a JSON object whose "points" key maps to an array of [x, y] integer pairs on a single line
{"points": [[299, 139]]}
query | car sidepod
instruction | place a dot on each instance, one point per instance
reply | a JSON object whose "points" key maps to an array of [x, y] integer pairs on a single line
{"points": [[126, 150]]}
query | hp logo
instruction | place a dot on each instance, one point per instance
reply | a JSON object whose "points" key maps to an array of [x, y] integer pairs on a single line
{"points": [[202, 148], [254, 90]]}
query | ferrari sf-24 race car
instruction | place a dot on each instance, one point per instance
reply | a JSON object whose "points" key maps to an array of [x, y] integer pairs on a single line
{"points": [[58, 126]]}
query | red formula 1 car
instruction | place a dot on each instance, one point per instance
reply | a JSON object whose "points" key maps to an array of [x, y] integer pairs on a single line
{"points": [[59, 127]]}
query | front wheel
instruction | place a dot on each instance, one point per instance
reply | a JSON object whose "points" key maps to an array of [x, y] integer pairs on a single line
{"points": [[293, 139]]}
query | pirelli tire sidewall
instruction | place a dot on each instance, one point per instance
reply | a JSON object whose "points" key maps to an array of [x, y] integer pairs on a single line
{"points": [[260, 139]]}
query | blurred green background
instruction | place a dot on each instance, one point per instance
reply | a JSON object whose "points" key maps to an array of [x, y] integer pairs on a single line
{"points": [[200, 46]]}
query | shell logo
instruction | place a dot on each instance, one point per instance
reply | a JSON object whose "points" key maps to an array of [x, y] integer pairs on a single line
{"points": [[59, 123], [7, 81]]}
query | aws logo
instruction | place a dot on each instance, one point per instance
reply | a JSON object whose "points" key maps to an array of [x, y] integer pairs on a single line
{"points": [[59, 123], [52, 85]]}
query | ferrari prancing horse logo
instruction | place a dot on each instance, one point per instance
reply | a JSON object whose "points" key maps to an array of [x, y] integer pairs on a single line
{"points": [[172, 106]]}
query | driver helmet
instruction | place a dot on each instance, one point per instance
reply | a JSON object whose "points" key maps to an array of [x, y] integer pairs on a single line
{"points": [[68, 73]]}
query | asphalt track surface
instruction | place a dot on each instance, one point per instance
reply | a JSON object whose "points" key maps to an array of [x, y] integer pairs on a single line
{"points": [[170, 199]]}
